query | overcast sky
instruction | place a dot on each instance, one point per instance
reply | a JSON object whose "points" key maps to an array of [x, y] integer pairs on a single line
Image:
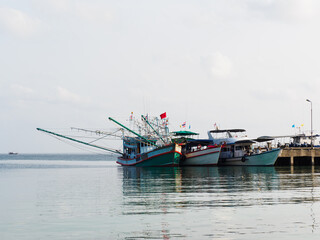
{"points": [[241, 64]]}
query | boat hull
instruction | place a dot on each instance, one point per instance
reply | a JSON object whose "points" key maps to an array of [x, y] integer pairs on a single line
{"points": [[160, 157], [263, 159], [209, 156]]}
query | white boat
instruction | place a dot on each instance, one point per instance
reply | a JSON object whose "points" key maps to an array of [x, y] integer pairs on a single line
{"points": [[196, 152], [238, 149], [202, 156], [12, 153]]}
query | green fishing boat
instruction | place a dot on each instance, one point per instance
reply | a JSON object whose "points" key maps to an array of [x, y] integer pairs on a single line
{"points": [[153, 148], [141, 154]]}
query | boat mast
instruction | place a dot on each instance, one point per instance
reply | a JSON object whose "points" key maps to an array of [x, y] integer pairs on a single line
{"points": [[152, 128], [78, 141], [133, 132]]}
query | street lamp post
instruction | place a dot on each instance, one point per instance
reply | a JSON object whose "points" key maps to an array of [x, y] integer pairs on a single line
{"points": [[311, 122]]}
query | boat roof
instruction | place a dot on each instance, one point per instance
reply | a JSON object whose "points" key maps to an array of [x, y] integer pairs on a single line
{"points": [[184, 133], [227, 130], [245, 141], [264, 139]]}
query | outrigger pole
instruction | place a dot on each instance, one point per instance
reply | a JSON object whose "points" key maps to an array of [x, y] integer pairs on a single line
{"points": [[133, 132], [153, 128], [78, 141]]}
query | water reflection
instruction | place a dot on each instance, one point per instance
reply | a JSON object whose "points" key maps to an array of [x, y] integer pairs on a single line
{"points": [[215, 187], [83, 199], [197, 190], [199, 179]]}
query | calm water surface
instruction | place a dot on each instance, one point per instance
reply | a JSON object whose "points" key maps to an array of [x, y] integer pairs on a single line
{"points": [[90, 197]]}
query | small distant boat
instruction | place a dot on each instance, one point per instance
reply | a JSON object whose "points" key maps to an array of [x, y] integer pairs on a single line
{"points": [[238, 150], [12, 153]]}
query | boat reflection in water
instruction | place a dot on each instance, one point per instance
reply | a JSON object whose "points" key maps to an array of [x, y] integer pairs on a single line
{"points": [[219, 186], [219, 200], [194, 186]]}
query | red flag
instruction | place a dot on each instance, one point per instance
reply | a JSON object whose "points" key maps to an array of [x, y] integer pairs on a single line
{"points": [[163, 115]]}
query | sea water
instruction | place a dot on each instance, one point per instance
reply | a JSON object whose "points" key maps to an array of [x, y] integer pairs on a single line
{"points": [[91, 197]]}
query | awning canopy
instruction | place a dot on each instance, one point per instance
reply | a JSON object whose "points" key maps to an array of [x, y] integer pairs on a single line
{"points": [[264, 139], [227, 130], [184, 133]]}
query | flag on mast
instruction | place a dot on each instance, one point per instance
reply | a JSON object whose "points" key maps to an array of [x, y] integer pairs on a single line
{"points": [[163, 115]]}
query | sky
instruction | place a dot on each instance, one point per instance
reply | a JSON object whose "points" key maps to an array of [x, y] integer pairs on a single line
{"points": [[238, 63]]}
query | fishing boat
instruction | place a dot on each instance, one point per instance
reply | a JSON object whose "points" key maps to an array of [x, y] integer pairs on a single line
{"points": [[151, 150], [137, 152], [238, 149], [196, 152], [201, 155], [148, 149]]}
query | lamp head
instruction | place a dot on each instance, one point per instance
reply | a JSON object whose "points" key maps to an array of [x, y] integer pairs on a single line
{"points": [[308, 100]]}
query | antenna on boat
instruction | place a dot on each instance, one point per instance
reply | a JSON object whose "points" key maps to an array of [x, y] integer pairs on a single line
{"points": [[110, 118], [78, 141], [152, 128]]}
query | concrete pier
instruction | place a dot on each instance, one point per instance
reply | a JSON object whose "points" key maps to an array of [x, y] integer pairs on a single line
{"points": [[299, 156]]}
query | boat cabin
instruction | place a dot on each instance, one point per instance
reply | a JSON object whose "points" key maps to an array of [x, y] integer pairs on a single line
{"points": [[303, 140], [193, 145], [236, 150], [226, 136], [235, 142], [186, 140], [134, 146]]}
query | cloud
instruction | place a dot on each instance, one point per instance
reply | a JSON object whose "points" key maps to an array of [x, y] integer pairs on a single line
{"points": [[302, 10], [67, 96], [84, 10], [21, 90], [289, 11], [58, 5], [218, 65], [281, 94], [92, 12], [17, 22], [18, 95]]}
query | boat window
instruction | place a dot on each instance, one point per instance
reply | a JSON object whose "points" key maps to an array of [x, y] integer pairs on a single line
{"points": [[238, 148]]}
